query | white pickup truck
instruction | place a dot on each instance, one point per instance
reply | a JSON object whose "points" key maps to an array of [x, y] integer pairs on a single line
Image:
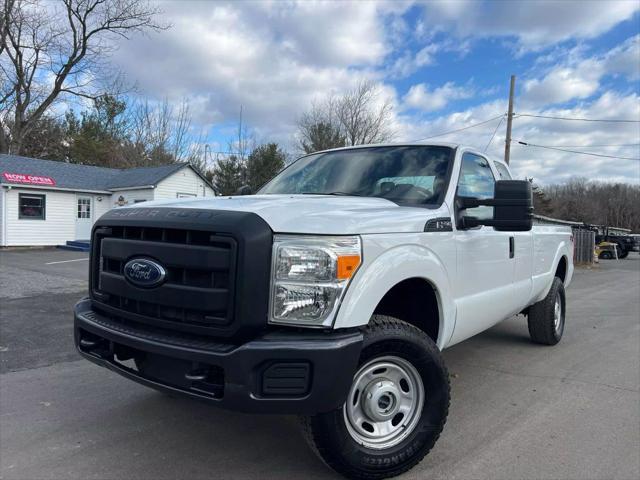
{"points": [[329, 294]]}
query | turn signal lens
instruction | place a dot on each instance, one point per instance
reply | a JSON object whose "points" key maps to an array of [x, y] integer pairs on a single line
{"points": [[347, 266]]}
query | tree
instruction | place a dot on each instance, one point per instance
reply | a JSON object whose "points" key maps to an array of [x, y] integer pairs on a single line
{"points": [[263, 164], [364, 117], [159, 134], [97, 138], [321, 136], [360, 116], [47, 139], [318, 128], [542, 204], [599, 203], [51, 52], [227, 175]]}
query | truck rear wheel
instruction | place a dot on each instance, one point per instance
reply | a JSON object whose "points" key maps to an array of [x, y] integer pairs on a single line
{"points": [[546, 318], [395, 410]]}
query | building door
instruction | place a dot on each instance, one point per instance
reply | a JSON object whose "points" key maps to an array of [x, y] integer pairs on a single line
{"points": [[84, 217]]}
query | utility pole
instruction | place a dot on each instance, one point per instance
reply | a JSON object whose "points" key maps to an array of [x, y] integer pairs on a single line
{"points": [[240, 146], [507, 144]]}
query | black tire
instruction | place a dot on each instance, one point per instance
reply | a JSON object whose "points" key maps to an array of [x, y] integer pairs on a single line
{"points": [[606, 255], [329, 436], [623, 254], [542, 325]]}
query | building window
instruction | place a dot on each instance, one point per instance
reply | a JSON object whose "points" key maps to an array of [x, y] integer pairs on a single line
{"points": [[31, 207], [84, 208], [185, 195]]}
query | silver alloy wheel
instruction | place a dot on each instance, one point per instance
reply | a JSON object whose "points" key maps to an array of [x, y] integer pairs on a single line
{"points": [[385, 402], [557, 312]]}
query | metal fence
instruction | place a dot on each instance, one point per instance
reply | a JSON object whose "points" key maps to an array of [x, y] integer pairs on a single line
{"points": [[584, 243]]}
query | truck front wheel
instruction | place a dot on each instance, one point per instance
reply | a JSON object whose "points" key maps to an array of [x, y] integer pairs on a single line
{"points": [[395, 410]]}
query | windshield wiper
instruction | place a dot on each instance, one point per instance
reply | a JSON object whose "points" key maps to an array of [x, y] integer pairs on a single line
{"points": [[338, 194]]}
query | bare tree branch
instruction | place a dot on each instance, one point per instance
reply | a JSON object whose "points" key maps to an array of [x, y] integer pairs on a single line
{"points": [[51, 51], [360, 116]]}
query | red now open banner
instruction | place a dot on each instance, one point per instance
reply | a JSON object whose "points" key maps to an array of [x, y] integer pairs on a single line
{"points": [[28, 179]]}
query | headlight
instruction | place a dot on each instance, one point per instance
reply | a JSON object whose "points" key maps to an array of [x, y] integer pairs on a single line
{"points": [[309, 277]]}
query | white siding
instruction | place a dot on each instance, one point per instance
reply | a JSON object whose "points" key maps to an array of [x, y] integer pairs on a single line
{"points": [[59, 224], [101, 207], [184, 181], [130, 196], [1, 216]]}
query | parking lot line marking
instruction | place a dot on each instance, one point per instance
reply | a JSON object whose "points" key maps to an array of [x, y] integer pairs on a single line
{"points": [[67, 261]]}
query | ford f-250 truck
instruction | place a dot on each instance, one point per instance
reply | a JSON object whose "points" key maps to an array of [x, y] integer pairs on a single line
{"points": [[329, 294]]}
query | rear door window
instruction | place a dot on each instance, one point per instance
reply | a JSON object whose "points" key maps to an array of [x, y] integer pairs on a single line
{"points": [[503, 171]]}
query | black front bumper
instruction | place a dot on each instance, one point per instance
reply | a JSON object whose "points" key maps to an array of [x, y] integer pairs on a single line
{"points": [[280, 372]]}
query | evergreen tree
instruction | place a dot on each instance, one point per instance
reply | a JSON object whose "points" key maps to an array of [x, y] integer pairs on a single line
{"points": [[47, 139], [263, 164], [322, 136], [227, 175], [99, 135]]}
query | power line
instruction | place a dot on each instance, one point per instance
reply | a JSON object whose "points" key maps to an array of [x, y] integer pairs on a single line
{"points": [[576, 119], [601, 145], [575, 151], [494, 134], [459, 129]]}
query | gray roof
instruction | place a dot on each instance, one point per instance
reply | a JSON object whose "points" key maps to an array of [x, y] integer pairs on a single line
{"points": [[86, 177], [138, 177]]}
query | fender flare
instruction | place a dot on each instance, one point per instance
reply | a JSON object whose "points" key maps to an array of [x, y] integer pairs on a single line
{"points": [[373, 281]]}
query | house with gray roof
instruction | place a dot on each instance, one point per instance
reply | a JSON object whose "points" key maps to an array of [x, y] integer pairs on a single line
{"points": [[44, 202]]}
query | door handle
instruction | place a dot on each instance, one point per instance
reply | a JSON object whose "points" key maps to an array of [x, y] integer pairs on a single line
{"points": [[512, 247]]}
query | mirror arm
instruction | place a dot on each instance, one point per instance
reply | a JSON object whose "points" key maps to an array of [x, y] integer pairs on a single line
{"points": [[472, 202]]}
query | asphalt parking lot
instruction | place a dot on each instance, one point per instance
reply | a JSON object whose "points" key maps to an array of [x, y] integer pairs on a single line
{"points": [[519, 411]]}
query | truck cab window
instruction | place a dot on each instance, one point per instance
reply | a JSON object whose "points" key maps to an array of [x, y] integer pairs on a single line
{"points": [[476, 180], [503, 171]]}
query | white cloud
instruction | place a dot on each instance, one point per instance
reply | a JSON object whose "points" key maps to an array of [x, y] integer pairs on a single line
{"points": [[421, 97], [548, 166], [576, 77], [563, 84], [535, 24], [625, 58], [409, 63], [273, 58]]}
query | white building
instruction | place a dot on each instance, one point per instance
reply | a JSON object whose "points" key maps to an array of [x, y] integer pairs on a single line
{"points": [[43, 202]]}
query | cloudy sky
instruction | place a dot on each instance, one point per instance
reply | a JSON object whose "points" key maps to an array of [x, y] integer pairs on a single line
{"points": [[444, 64]]}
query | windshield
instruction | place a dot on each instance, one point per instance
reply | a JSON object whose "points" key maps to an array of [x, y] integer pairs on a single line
{"points": [[402, 174]]}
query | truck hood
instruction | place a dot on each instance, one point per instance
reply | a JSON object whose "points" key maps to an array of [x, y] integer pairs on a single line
{"points": [[317, 214]]}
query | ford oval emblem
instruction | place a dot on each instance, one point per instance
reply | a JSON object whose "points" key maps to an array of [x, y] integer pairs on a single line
{"points": [[144, 272]]}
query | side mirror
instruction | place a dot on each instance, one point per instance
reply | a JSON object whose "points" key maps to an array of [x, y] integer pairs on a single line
{"points": [[244, 190], [513, 207]]}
